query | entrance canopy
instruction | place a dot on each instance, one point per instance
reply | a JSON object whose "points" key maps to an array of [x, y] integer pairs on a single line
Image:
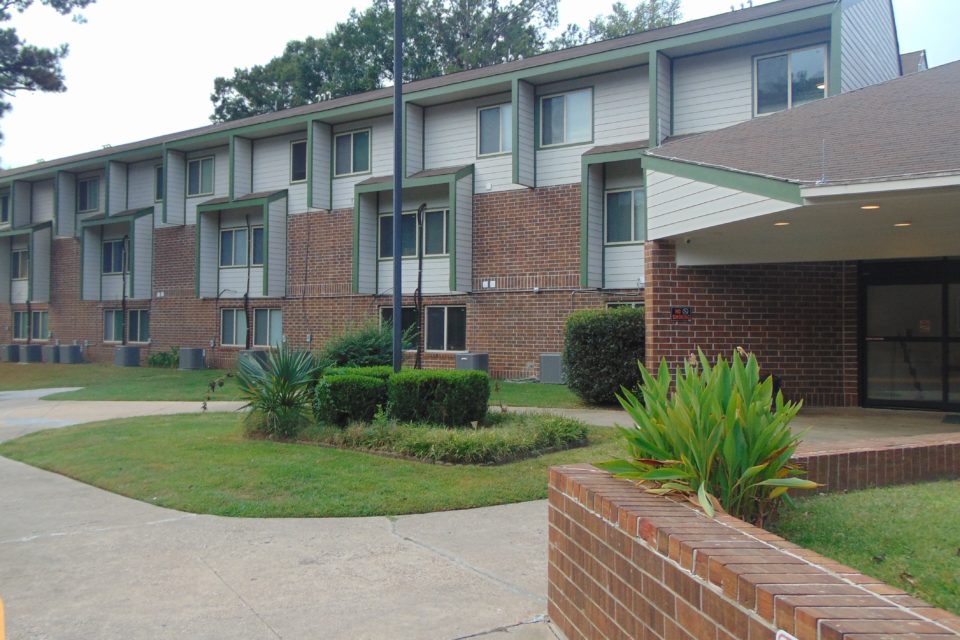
{"points": [[871, 174]]}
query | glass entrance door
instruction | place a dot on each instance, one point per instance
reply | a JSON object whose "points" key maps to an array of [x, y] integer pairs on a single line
{"points": [[911, 335]]}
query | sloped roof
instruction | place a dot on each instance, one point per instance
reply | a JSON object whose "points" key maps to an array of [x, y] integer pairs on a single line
{"points": [[906, 127], [913, 62]]}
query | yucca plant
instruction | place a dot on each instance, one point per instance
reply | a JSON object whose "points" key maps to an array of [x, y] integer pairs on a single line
{"points": [[278, 393], [715, 439]]}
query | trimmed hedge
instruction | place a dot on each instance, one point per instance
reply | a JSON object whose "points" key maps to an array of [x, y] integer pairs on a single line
{"points": [[340, 399], [439, 397], [381, 372], [601, 350]]}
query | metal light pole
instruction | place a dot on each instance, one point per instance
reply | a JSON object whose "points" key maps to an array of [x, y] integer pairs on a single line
{"points": [[397, 183]]}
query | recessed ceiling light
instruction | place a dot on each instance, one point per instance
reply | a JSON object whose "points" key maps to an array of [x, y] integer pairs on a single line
{"points": [[821, 86], [870, 207], [902, 224], [781, 223]]}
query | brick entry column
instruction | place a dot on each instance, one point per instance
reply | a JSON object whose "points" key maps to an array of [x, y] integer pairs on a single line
{"points": [[799, 318]]}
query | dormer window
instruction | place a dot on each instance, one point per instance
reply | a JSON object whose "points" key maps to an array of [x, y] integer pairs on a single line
{"points": [[787, 80]]}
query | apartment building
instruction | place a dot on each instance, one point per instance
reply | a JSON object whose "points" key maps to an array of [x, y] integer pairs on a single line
{"points": [[545, 185]]}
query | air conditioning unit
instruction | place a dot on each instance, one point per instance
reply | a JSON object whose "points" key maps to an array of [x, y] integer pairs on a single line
{"points": [[191, 358], [10, 353], [551, 369], [70, 354], [473, 362], [31, 353], [126, 356], [51, 353]]}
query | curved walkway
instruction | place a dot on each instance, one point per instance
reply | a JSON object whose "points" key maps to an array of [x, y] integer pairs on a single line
{"points": [[79, 562]]}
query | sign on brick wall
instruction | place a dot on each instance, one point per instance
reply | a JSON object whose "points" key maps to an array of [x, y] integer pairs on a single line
{"points": [[681, 314]]}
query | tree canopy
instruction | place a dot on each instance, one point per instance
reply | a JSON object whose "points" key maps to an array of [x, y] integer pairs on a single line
{"points": [[442, 36], [26, 67]]}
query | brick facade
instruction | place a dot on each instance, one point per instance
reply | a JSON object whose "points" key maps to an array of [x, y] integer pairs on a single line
{"points": [[626, 564], [527, 241], [800, 320]]}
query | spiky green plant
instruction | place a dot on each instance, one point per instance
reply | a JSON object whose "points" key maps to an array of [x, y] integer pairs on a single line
{"points": [[715, 439], [278, 393]]}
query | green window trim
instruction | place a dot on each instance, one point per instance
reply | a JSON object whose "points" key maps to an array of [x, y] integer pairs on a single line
{"points": [[298, 161], [565, 120], [206, 166], [354, 136], [503, 117], [427, 234], [789, 81], [229, 237], [637, 217], [118, 262]]}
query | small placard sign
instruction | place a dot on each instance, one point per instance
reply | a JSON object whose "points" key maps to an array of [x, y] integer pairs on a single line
{"points": [[681, 314], [783, 635]]}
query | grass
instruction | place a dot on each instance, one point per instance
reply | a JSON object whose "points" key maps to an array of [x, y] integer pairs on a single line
{"points": [[203, 464], [907, 536], [107, 382]]}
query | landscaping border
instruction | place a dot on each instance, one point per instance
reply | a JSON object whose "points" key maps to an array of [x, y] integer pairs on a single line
{"points": [[627, 564]]}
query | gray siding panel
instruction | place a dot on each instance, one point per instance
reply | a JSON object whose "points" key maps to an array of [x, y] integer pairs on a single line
{"points": [[92, 251], [276, 284], [141, 240], [116, 187], [322, 149], [209, 241], [595, 226], [22, 200], [367, 241], [414, 119], [464, 239], [623, 266], [42, 201], [175, 187], [664, 106], [868, 49], [526, 135], [41, 248], [66, 185], [271, 169], [5, 263], [141, 190], [243, 167]]}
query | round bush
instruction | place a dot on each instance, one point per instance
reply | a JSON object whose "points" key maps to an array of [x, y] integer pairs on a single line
{"points": [[340, 399], [440, 397], [601, 351]]}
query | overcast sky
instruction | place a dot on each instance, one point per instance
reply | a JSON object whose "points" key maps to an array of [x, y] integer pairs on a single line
{"points": [[141, 68]]}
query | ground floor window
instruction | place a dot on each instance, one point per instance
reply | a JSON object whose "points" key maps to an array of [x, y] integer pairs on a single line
{"points": [[113, 325], [620, 305], [233, 328], [447, 328], [139, 325], [625, 216], [408, 324], [39, 326], [20, 322], [267, 327]]}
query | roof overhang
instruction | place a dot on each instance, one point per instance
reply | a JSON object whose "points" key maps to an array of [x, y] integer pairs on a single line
{"points": [[125, 217], [22, 231], [428, 178], [259, 199]]}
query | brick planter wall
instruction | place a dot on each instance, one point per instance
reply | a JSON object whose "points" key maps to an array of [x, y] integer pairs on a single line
{"points": [[627, 564], [800, 319]]}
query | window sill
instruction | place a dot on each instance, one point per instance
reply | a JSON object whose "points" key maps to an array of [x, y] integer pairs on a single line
{"points": [[562, 145], [627, 243], [200, 195], [304, 181], [498, 154], [352, 175]]}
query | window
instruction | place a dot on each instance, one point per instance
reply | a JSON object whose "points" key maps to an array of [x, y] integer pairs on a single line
{"points": [[496, 130], [234, 247], [19, 264], [88, 195], [434, 234], [621, 305], [20, 320], [158, 183], [625, 216], [113, 325], [352, 151], [298, 161], [566, 118], [5, 208], [408, 324], [233, 328], [267, 327], [138, 329], [446, 328], [200, 177], [39, 329], [790, 79], [114, 257]]}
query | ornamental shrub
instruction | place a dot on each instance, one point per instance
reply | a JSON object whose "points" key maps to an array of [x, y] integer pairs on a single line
{"points": [[454, 398], [370, 344], [343, 398], [600, 352], [164, 359], [381, 372], [278, 392], [715, 439]]}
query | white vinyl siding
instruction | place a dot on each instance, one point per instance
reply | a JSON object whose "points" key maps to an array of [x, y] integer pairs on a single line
{"points": [[141, 244], [678, 205], [41, 247], [322, 170], [664, 98], [116, 187], [243, 149], [451, 141], [367, 243], [91, 263], [5, 258], [276, 248], [436, 269], [620, 114], [112, 282], [66, 185], [381, 157], [175, 190], [42, 201], [715, 89], [235, 276], [464, 239], [594, 186], [525, 144], [22, 199], [414, 134], [272, 169], [208, 238], [142, 185], [868, 48]]}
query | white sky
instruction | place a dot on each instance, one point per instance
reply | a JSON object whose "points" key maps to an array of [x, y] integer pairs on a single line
{"points": [[141, 68]]}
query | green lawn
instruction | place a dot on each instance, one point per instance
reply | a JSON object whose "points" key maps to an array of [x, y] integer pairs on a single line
{"points": [[908, 536], [202, 464], [107, 382]]}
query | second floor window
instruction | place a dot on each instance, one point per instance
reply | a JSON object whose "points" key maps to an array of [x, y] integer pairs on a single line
{"points": [[626, 219], [200, 177], [352, 151], [566, 118], [495, 129], [790, 79], [432, 240], [298, 161], [88, 195], [114, 257], [5, 208], [158, 183], [236, 245], [19, 264]]}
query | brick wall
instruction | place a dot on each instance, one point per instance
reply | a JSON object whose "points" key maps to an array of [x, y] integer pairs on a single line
{"points": [[800, 320], [627, 564]]}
